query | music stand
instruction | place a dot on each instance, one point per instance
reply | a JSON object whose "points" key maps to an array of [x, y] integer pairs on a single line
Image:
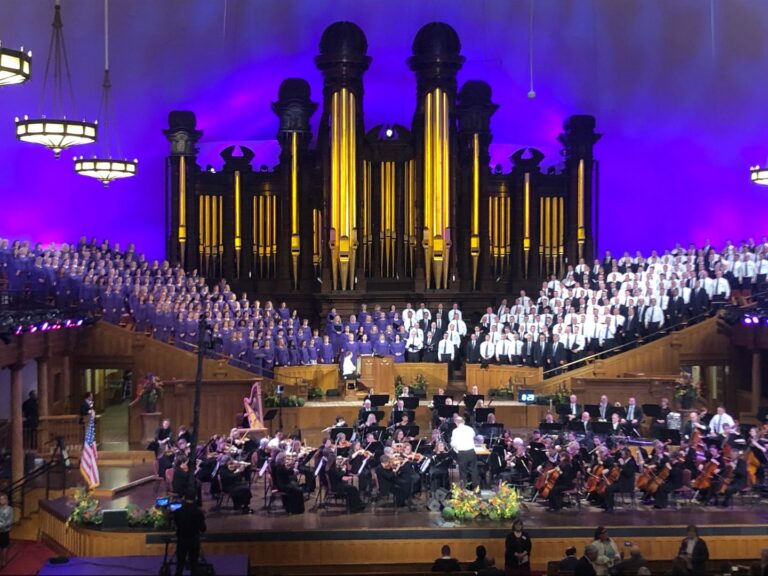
{"points": [[601, 428], [333, 433], [410, 431], [671, 436], [481, 414], [494, 431], [377, 431], [439, 400], [378, 413], [269, 417], [397, 416], [652, 411], [563, 409], [410, 402], [617, 410], [550, 427], [470, 400], [378, 399], [445, 411], [576, 426], [594, 410]]}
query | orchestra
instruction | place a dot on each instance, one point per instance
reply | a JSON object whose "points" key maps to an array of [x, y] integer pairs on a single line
{"points": [[595, 451]]}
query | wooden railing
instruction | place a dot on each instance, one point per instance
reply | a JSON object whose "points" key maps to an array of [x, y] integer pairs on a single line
{"points": [[68, 428]]}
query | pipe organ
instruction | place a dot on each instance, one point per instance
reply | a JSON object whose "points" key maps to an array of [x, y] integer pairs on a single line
{"points": [[390, 208]]}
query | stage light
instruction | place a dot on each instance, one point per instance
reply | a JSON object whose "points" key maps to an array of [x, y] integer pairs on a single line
{"points": [[747, 320], [389, 133], [44, 326]]}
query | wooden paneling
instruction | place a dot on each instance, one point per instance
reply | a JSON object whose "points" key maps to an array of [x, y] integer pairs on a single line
{"points": [[435, 374], [645, 390], [499, 377], [323, 376], [378, 373], [409, 549]]}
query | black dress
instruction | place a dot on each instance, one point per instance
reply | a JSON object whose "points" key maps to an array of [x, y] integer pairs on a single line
{"points": [[515, 544], [285, 481]]}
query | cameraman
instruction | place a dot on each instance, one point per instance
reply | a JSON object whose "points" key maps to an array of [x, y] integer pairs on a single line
{"points": [[190, 523]]}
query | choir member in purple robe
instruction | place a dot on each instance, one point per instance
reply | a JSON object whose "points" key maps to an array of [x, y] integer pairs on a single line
{"points": [[326, 353], [398, 349], [381, 346]]}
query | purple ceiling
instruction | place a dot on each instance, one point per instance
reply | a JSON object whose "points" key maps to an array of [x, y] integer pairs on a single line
{"points": [[676, 85]]}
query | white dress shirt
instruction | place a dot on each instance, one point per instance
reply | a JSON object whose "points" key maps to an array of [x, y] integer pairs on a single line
{"points": [[717, 422], [463, 438]]}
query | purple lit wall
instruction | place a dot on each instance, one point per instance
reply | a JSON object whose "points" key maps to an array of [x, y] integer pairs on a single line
{"points": [[677, 87]]}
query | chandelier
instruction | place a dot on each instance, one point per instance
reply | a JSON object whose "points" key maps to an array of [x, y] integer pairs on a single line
{"points": [[104, 167], [15, 66], [58, 132], [759, 175]]}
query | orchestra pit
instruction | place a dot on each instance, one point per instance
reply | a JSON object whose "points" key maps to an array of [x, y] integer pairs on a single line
{"points": [[383, 288]]}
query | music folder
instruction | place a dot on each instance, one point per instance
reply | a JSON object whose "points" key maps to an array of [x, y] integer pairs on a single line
{"points": [[378, 413], [379, 399], [471, 399], [409, 431], [397, 415], [671, 436], [439, 400], [601, 428], [445, 411], [410, 402], [652, 411], [594, 410], [550, 427], [334, 433], [481, 414]]}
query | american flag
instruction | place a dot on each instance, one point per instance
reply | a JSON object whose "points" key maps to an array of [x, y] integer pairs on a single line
{"points": [[89, 465]]}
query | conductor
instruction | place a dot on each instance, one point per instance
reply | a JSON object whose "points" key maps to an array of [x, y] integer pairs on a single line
{"points": [[190, 523], [463, 442]]}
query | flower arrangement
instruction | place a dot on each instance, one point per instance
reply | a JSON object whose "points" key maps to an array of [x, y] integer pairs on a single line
{"points": [[87, 509], [463, 504], [419, 386], [398, 387], [149, 391], [314, 393]]}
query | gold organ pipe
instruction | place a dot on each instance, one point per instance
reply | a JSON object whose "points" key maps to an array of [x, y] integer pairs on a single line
{"points": [[207, 225], [475, 183], [238, 239], [527, 212], [580, 232], [201, 226], [428, 212], [294, 184], [446, 159], [182, 200]]}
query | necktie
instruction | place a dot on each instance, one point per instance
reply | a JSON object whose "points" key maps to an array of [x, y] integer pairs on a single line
{"points": [[631, 413], [717, 425]]}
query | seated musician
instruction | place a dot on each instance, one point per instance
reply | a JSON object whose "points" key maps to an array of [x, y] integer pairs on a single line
{"points": [[516, 465], [206, 465], [302, 466], [659, 423], [337, 482], [390, 482], [438, 469], [710, 471], [361, 466], [397, 411], [735, 479], [692, 424], [617, 429], [233, 483], [362, 415], [673, 481], [583, 431], [285, 481], [633, 418], [626, 481], [604, 409], [166, 459], [163, 440], [183, 434], [348, 367], [565, 481], [409, 470], [181, 478], [276, 441]]}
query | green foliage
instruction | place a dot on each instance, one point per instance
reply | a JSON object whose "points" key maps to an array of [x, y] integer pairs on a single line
{"points": [[504, 504], [86, 511], [314, 393]]}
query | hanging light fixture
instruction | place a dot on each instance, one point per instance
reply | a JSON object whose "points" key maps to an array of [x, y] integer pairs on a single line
{"points": [[58, 132], [104, 167], [759, 175], [15, 66]]}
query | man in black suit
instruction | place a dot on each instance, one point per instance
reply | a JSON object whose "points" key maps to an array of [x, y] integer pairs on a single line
{"points": [[446, 563], [568, 564], [631, 326], [473, 350], [694, 549], [540, 351], [573, 410], [429, 352], [190, 523], [675, 308], [699, 302], [556, 354], [633, 418], [586, 564]]}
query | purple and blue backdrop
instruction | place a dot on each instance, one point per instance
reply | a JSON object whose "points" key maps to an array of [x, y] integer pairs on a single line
{"points": [[677, 88]]}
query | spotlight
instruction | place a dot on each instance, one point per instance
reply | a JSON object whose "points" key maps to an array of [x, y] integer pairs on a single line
{"points": [[79, 322], [45, 327], [747, 320], [389, 133]]}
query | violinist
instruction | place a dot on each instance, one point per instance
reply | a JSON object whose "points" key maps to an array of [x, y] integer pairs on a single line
{"points": [[181, 478], [364, 413], [409, 469], [516, 466], [756, 457], [337, 481], [285, 482], [274, 443], [392, 483], [183, 434], [342, 445], [360, 466], [397, 411], [673, 481], [438, 470], [626, 480], [233, 483], [301, 458]]}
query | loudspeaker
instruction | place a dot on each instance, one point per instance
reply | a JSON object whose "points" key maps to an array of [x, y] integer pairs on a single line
{"points": [[115, 519]]}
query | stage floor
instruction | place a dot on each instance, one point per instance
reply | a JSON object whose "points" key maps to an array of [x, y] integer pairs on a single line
{"points": [[382, 522], [149, 565]]}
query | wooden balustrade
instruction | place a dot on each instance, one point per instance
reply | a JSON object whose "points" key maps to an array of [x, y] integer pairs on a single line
{"points": [[500, 377], [66, 426]]}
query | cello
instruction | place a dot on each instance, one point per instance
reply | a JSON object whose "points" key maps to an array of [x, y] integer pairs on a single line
{"points": [[704, 480], [595, 478], [550, 481], [609, 479]]}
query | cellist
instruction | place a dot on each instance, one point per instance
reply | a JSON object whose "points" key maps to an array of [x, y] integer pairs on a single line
{"points": [[673, 482], [626, 480], [564, 478], [735, 479]]}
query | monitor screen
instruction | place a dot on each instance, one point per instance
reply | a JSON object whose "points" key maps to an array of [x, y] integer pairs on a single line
{"points": [[175, 506], [160, 502], [526, 396]]}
